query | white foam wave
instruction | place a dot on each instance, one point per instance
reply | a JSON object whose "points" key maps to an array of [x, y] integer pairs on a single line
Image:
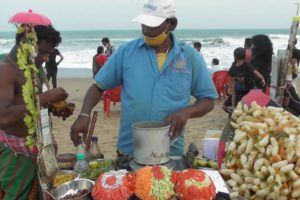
{"points": [[79, 51]]}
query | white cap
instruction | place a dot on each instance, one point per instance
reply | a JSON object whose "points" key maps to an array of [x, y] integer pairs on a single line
{"points": [[155, 12]]}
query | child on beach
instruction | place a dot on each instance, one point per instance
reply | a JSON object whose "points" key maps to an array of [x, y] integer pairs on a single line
{"points": [[238, 73]]}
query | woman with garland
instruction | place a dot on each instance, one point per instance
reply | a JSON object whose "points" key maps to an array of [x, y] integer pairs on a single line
{"points": [[19, 111]]}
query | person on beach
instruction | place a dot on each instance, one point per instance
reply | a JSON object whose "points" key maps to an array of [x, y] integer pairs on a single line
{"points": [[98, 60], [291, 100], [158, 74], [101, 58], [236, 87], [247, 46], [262, 51], [215, 66], [109, 49], [197, 46], [296, 53], [238, 73], [17, 152], [51, 66]]}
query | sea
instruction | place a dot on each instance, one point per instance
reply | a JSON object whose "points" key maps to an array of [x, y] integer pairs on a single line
{"points": [[78, 47]]}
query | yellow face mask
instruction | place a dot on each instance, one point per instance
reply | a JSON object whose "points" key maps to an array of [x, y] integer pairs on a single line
{"points": [[155, 41]]}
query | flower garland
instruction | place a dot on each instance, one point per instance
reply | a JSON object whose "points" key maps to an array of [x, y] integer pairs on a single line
{"points": [[25, 55]]}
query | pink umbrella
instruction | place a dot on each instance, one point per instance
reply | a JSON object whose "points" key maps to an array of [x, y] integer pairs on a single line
{"points": [[30, 18]]}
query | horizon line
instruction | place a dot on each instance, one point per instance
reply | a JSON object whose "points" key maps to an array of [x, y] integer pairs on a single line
{"points": [[180, 29]]}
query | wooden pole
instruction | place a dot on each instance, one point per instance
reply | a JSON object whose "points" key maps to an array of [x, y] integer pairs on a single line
{"points": [[285, 56], [282, 63], [274, 77]]}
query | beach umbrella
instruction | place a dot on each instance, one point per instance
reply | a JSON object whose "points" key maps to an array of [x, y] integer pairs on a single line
{"points": [[30, 18]]}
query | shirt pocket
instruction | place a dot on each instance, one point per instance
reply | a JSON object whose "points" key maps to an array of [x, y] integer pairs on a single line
{"points": [[177, 85]]}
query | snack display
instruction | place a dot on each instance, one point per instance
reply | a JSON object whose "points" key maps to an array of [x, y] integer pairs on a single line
{"points": [[154, 183], [206, 163], [96, 168], [63, 177], [262, 161], [114, 185], [193, 184]]}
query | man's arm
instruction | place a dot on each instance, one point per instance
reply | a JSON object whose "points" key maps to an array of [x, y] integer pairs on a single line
{"points": [[61, 59], [179, 118], [81, 125], [260, 76], [202, 88], [9, 113], [231, 84], [91, 99]]}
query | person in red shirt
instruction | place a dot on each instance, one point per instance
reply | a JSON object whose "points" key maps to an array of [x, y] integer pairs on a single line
{"points": [[100, 59]]}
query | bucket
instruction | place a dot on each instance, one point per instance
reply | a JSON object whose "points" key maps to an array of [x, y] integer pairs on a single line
{"points": [[151, 142]]}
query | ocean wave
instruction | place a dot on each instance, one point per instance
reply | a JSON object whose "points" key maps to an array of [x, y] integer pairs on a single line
{"points": [[78, 48], [214, 41], [6, 42], [279, 36]]}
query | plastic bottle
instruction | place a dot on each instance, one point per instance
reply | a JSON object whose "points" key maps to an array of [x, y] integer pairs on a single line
{"points": [[80, 147], [94, 150], [81, 164], [81, 150]]}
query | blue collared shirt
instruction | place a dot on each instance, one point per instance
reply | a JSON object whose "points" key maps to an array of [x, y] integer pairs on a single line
{"points": [[150, 94]]}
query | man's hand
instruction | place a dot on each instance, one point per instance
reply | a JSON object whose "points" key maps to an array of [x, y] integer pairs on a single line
{"points": [[81, 125], [177, 121], [57, 94]]}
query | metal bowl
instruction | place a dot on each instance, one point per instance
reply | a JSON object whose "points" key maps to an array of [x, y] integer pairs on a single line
{"points": [[73, 186]]}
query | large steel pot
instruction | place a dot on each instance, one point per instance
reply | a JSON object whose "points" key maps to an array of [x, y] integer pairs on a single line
{"points": [[151, 142]]}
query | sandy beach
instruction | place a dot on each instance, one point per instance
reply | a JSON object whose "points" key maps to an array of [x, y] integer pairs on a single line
{"points": [[107, 127]]}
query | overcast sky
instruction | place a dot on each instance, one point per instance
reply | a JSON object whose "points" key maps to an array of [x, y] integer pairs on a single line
{"points": [[117, 14]]}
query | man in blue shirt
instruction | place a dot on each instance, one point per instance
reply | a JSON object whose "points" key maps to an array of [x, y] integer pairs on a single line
{"points": [[158, 75]]}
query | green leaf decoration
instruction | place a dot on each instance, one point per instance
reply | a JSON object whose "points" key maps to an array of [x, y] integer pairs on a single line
{"points": [[26, 51]]}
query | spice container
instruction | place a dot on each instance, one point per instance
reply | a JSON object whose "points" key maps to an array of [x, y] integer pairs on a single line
{"points": [[94, 151], [66, 161]]}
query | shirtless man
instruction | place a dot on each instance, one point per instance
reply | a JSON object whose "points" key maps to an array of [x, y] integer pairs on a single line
{"points": [[17, 161]]}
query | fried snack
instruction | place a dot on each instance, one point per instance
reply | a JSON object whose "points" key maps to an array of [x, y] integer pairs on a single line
{"points": [[62, 178], [263, 160]]}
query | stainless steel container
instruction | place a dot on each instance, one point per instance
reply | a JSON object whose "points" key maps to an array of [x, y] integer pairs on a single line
{"points": [[151, 142], [72, 187]]}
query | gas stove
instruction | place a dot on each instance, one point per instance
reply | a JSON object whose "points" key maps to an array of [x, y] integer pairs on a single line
{"points": [[175, 163]]}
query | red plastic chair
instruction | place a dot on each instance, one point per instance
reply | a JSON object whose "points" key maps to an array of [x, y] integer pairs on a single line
{"points": [[220, 79], [113, 95]]}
